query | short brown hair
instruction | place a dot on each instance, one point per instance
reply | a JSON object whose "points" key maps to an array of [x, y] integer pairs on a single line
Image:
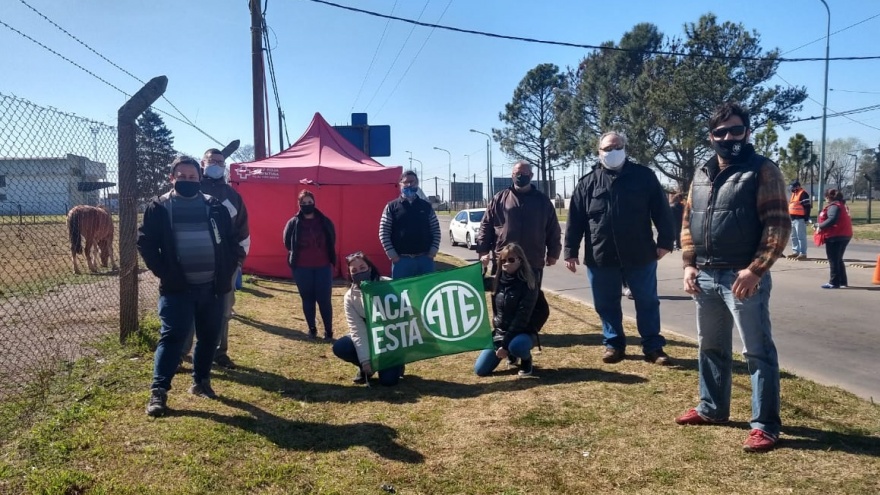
{"points": [[304, 193]]}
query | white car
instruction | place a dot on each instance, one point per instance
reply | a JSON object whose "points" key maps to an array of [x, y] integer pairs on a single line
{"points": [[465, 226]]}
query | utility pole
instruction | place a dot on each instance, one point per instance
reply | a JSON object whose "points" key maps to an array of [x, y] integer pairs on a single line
{"points": [[257, 79], [436, 190]]}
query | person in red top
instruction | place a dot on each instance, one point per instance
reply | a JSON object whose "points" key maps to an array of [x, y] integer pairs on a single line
{"points": [[835, 229], [310, 239]]}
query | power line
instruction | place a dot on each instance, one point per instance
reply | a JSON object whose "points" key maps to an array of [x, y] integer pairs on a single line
{"points": [[185, 120], [832, 34], [396, 57], [413, 61], [373, 60], [836, 114], [592, 47]]}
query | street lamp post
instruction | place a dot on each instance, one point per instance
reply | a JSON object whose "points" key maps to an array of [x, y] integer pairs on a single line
{"points": [[450, 172], [824, 106], [488, 162], [422, 169], [410, 159]]}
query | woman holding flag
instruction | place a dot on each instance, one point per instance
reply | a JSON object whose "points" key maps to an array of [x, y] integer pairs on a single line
{"points": [[516, 323], [353, 348]]}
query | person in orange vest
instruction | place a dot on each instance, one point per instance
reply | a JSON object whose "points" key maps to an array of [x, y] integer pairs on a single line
{"points": [[835, 228], [799, 211]]}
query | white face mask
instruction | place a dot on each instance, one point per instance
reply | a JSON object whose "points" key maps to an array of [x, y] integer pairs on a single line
{"points": [[215, 171], [613, 159]]}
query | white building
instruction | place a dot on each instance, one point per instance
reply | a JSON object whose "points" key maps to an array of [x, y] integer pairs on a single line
{"points": [[48, 186]]}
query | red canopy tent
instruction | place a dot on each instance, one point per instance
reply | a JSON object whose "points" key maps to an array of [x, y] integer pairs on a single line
{"points": [[350, 188]]}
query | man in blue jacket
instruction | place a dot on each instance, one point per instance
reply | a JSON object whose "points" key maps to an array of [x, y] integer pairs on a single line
{"points": [[188, 241], [613, 207]]}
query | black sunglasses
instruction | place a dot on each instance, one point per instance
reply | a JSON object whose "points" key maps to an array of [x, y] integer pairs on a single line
{"points": [[734, 130], [512, 259]]}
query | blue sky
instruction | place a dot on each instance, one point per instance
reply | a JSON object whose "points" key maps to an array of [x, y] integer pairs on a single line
{"points": [[441, 85]]}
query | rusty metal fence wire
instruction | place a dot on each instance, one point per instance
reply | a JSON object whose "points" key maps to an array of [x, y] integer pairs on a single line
{"points": [[50, 162]]}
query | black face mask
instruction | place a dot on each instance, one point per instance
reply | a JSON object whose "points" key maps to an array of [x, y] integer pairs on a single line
{"points": [[357, 278], [522, 180], [307, 209], [729, 149], [186, 189]]}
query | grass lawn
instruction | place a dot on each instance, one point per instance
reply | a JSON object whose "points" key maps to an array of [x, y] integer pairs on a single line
{"points": [[289, 420]]}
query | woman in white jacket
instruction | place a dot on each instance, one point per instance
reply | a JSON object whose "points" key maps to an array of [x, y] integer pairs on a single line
{"points": [[353, 348]]}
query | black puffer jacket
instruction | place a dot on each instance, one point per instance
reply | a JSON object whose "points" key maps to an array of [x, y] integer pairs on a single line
{"points": [[614, 211], [517, 309]]}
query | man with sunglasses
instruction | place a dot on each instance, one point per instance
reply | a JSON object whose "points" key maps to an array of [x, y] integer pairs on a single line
{"points": [[614, 207], [735, 226], [409, 231]]}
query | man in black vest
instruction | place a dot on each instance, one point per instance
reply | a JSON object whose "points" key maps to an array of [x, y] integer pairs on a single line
{"points": [[409, 231], [735, 226]]}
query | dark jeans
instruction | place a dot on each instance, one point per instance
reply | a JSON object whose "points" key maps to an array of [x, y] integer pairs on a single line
{"points": [[344, 349], [408, 266], [642, 281], [178, 312], [834, 249], [315, 286]]}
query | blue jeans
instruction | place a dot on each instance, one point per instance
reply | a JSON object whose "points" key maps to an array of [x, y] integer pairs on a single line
{"points": [[178, 312], [642, 282], [315, 286], [520, 347], [344, 349], [717, 312], [799, 236], [410, 267], [223, 340]]}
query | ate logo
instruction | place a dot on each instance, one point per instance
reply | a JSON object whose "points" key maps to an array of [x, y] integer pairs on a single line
{"points": [[452, 311]]}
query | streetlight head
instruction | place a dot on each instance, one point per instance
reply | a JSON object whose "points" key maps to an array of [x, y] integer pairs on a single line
{"points": [[473, 130]]}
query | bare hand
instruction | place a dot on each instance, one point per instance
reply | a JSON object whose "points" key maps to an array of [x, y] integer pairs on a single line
{"points": [[395, 259], [746, 284], [571, 264], [367, 368], [551, 261], [484, 259], [501, 353], [661, 253], [690, 280]]}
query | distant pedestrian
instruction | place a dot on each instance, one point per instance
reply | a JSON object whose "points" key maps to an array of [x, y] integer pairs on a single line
{"points": [[187, 239], [310, 239], [677, 207], [799, 205], [614, 207], [835, 230], [735, 227], [515, 322], [409, 231]]}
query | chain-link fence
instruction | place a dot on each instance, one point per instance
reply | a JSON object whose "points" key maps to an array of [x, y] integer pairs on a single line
{"points": [[50, 163]]}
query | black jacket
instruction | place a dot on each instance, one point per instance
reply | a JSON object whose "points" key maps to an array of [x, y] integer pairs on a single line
{"points": [[233, 201], [517, 309], [159, 251], [614, 211], [291, 235]]}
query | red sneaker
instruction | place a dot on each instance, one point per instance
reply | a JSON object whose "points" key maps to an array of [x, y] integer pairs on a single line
{"points": [[760, 441], [692, 417]]}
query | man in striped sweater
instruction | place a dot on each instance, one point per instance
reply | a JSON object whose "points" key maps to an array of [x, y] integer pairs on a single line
{"points": [[409, 231], [735, 226]]}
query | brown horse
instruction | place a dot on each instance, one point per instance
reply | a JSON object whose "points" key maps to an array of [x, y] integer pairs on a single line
{"points": [[96, 225]]}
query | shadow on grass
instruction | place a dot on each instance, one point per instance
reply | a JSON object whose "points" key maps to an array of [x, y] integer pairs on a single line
{"points": [[821, 440], [287, 333], [255, 292], [307, 436], [412, 387]]}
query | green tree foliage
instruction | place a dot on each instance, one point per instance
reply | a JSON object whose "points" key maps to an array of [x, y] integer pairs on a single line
{"points": [[663, 101], [155, 152], [529, 131], [796, 159], [868, 168], [765, 140]]}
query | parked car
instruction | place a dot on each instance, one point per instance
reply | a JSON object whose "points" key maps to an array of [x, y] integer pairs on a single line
{"points": [[464, 227]]}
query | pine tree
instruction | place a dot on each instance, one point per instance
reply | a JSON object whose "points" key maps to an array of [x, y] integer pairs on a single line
{"points": [[155, 151]]}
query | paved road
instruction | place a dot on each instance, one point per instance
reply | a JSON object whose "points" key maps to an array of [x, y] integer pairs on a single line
{"points": [[830, 336]]}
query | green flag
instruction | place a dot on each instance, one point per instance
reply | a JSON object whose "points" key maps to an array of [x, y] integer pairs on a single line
{"points": [[427, 316]]}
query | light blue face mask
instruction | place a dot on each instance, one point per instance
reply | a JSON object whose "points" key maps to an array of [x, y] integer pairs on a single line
{"points": [[215, 171], [410, 192]]}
